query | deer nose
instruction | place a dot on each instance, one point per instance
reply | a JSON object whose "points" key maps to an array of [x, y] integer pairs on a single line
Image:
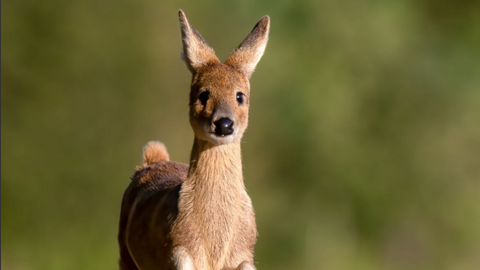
{"points": [[223, 127]]}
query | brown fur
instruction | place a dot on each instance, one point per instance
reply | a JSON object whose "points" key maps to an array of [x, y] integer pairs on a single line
{"points": [[199, 217]]}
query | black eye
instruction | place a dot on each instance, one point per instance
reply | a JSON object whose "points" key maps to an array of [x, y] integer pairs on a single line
{"points": [[203, 97], [240, 97]]}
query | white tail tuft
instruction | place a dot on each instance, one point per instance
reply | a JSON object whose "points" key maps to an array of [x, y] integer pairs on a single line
{"points": [[154, 151]]}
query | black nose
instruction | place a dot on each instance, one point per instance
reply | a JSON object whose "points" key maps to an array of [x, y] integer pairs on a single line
{"points": [[223, 127]]}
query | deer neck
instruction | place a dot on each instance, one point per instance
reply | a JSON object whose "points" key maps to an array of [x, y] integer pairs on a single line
{"points": [[216, 168], [212, 203]]}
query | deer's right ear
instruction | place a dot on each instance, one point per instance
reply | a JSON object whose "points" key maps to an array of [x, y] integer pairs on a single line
{"points": [[196, 52]]}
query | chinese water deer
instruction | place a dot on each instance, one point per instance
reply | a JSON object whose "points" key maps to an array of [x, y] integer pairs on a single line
{"points": [[176, 216]]}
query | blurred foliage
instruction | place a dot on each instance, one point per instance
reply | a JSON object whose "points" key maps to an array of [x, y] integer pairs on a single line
{"points": [[363, 150]]}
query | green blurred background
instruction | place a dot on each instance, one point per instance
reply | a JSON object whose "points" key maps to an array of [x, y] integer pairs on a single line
{"points": [[363, 150]]}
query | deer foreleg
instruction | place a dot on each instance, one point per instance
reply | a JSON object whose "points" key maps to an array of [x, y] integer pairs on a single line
{"points": [[182, 259]]}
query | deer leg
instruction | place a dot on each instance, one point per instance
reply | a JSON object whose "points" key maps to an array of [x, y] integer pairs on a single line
{"points": [[181, 259], [246, 266]]}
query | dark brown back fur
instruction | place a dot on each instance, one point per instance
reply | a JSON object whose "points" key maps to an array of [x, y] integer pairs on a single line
{"points": [[158, 182]]}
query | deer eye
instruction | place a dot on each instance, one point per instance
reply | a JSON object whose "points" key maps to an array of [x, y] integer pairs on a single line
{"points": [[203, 97], [240, 97]]}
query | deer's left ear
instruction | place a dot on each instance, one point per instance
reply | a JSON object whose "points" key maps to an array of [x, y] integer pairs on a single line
{"points": [[248, 54]]}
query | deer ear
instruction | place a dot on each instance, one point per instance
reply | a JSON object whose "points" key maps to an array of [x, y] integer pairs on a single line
{"points": [[196, 52], [247, 55]]}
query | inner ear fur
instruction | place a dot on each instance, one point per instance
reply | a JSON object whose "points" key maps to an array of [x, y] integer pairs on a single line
{"points": [[196, 52]]}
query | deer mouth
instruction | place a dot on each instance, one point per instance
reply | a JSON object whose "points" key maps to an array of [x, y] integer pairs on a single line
{"points": [[224, 133], [219, 139]]}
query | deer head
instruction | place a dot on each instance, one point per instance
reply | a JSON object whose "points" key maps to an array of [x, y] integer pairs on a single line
{"points": [[220, 92]]}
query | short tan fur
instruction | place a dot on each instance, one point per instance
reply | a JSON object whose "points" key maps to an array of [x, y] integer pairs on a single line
{"points": [[198, 217]]}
